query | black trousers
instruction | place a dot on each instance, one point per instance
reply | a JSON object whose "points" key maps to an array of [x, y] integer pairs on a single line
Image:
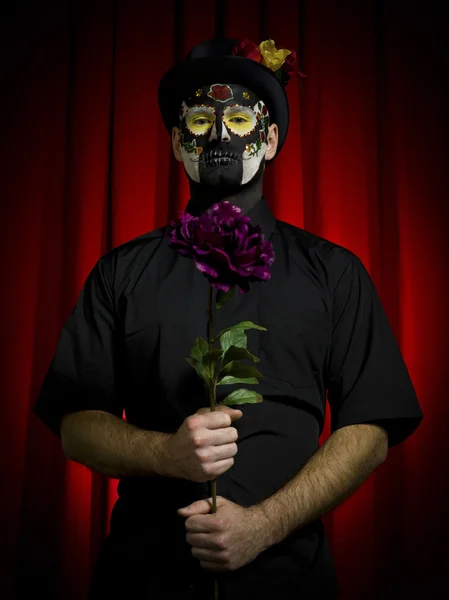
{"points": [[124, 572], [247, 591], [115, 586]]}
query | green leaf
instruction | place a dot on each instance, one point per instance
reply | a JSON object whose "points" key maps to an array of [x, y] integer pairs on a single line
{"points": [[236, 337], [214, 354], [236, 369], [199, 349], [229, 380], [223, 297], [242, 396], [210, 360], [241, 325], [201, 370], [236, 353]]}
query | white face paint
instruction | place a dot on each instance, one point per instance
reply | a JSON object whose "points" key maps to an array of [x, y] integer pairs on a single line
{"points": [[252, 156], [189, 151], [191, 164]]}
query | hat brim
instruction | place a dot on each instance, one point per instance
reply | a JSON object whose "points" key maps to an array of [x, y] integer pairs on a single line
{"points": [[182, 79]]}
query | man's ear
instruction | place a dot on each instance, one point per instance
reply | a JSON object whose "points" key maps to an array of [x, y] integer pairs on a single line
{"points": [[272, 141], [176, 143]]}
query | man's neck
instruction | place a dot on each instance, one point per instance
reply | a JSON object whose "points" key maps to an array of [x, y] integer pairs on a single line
{"points": [[245, 196]]}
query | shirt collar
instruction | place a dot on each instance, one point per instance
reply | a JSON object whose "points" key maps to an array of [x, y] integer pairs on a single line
{"points": [[260, 214]]}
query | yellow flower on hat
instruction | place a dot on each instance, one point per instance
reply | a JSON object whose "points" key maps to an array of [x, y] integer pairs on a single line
{"points": [[272, 58]]}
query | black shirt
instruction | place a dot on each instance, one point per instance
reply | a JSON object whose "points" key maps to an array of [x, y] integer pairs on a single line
{"points": [[124, 346]]}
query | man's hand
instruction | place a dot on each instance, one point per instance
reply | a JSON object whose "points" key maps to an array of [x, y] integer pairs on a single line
{"points": [[226, 540], [204, 446]]}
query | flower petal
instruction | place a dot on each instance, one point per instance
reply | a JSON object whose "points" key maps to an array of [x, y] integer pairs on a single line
{"points": [[261, 273], [224, 246], [211, 237], [224, 287], [205, 268], [246, 258]]}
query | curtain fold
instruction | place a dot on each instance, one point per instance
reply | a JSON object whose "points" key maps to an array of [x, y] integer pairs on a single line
{"points": [[87, 165]]}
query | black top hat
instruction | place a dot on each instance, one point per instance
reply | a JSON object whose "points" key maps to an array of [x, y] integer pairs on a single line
{"points": [[211, 62]]}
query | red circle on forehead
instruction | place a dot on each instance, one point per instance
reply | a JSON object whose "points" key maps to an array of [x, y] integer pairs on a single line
{"points": [[221, 92]]}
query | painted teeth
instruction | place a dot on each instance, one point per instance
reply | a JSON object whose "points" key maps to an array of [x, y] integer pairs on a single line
{"points": [[215, 162], [218, 157]]}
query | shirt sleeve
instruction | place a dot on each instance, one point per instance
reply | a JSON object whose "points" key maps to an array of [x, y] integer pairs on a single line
{"points": [[82, 375], [367, 379]]}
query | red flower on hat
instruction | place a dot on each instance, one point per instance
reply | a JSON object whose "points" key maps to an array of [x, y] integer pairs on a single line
{"points": [[219, 92], [289, 64], [248, 49]]}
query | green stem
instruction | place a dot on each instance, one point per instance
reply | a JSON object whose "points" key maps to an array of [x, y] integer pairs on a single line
{"points": [[212, 392], [210, 319]]}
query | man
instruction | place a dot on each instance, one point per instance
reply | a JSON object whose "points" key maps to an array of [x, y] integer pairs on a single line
{"points": [[124, 348]]}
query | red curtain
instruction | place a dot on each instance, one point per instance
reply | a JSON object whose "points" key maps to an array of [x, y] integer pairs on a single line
{"points": [[87, 165]]}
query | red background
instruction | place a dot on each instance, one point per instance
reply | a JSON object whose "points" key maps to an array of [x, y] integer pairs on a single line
{"points": [[87, 165]]}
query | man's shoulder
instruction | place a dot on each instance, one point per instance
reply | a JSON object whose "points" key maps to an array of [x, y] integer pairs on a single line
{"points": [[335, 256], [133, 254], [136, 244]]}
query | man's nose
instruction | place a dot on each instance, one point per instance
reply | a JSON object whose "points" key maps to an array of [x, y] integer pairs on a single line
{"points": [[219, 132]]}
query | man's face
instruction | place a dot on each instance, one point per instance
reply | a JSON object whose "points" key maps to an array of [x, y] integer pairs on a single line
{"points": [[224, 130]]}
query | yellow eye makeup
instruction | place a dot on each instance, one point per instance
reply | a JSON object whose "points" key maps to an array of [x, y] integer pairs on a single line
{"points": [[199, 120], [241, 120]]}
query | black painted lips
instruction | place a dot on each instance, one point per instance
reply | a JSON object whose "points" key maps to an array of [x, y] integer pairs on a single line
{"points": [[218, 158]]}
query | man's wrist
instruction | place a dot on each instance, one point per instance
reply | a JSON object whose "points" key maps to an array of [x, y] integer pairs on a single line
{"points": [[163, 463], [263, 526]]}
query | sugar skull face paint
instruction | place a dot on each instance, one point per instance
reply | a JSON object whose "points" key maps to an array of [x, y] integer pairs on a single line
{"points": [[223, 134], [199, 120], [240, 120], [220, 92]]}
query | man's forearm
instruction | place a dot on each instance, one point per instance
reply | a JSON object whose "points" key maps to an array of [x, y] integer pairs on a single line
{"points": [[111, 446], [330, 476]]}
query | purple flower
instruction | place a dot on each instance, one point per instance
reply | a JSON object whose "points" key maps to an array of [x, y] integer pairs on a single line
{"points": [[224, 246]]}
